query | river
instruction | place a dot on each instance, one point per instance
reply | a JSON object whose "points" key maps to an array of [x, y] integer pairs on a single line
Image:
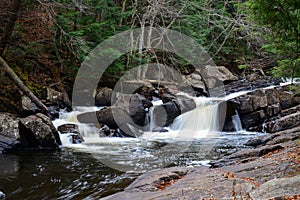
{"points": [[103, 166]]}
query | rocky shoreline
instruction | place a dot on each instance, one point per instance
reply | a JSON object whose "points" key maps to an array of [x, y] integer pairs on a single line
{"points": [[270, 170]]}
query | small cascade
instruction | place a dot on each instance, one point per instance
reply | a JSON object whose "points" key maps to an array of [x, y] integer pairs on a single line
{"points": [[198, 122], [152, 122], [237, 122], [85, 130]]}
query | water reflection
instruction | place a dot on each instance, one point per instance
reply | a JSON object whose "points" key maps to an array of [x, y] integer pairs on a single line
{"points": [[74, 173]]}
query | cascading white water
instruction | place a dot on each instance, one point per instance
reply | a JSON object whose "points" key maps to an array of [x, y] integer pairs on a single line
{"points": [[197, 123], [152, 121], [237, 122], [85, 130]]}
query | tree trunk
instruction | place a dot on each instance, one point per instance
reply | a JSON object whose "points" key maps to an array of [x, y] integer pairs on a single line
{"points": [[14, 77]]}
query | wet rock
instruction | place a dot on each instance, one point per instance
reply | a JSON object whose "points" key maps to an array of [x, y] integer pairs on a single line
{"points": [[68, 128], [277, 188], [284, 123], [37, 131], [286, 99], [147, 90], [272, 96], [73, 132], [88, 118], [103, 96], [184, 103], [137, 106], [34, 131], [259, 99], [290, 111], [165, 114], [116, 117], [107, 116], [245, 104], [166, 94], [259, 140], [273, 110], [253, 119], [159, 129], [9, 132]]}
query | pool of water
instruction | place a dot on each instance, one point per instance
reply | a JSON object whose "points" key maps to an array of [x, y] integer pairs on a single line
{"points": [[95, 170]]}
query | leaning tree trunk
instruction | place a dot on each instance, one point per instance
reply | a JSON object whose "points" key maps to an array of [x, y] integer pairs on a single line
{"points": [[14, 77]]}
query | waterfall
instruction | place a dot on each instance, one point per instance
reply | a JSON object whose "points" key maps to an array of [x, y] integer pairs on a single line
{"points": [[237, 122], [152, 121], [86, 130], [199, 122]]}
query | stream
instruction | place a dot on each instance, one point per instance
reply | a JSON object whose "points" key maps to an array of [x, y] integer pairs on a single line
{"points": [[103, 166]]}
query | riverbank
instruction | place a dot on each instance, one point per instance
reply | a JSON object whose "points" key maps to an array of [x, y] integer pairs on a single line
{"points": [[270, 170]]}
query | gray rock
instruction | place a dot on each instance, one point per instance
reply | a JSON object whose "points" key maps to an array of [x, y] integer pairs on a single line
{"points": [[284, 123], [184, 103], [214, 74], [54, 97], [259, 99], [116, 117], [137, 106], [253, 119], [165, 114], [286, 99], [68, 128], [37, 131], [9, 125], [245, 104], [272, 96], [28, 105], [277, 188], [195, 80], [9, 132], [88, 118], [103, 97]]}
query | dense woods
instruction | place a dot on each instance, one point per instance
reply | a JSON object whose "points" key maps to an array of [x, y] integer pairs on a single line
{"points": [[44, 42]]}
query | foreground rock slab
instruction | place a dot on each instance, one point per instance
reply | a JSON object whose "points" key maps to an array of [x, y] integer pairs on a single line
{"points": [[269, 171]]}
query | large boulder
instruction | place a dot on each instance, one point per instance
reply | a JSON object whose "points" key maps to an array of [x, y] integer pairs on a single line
{"points": [[195, 80], [259, 99], [116, 117], [279, 188], [106, 115], [9, 132], [283, 123], [135, 105], [88, 118], [28, 107], [103, 96], [37, 131], [253, 119], [165, 114], [72, 132], [32, 132], [214, 74], [184, 103]]}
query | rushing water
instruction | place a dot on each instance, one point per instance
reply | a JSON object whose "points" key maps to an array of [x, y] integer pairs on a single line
{"points": [[78, 173], [102, 166]]}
